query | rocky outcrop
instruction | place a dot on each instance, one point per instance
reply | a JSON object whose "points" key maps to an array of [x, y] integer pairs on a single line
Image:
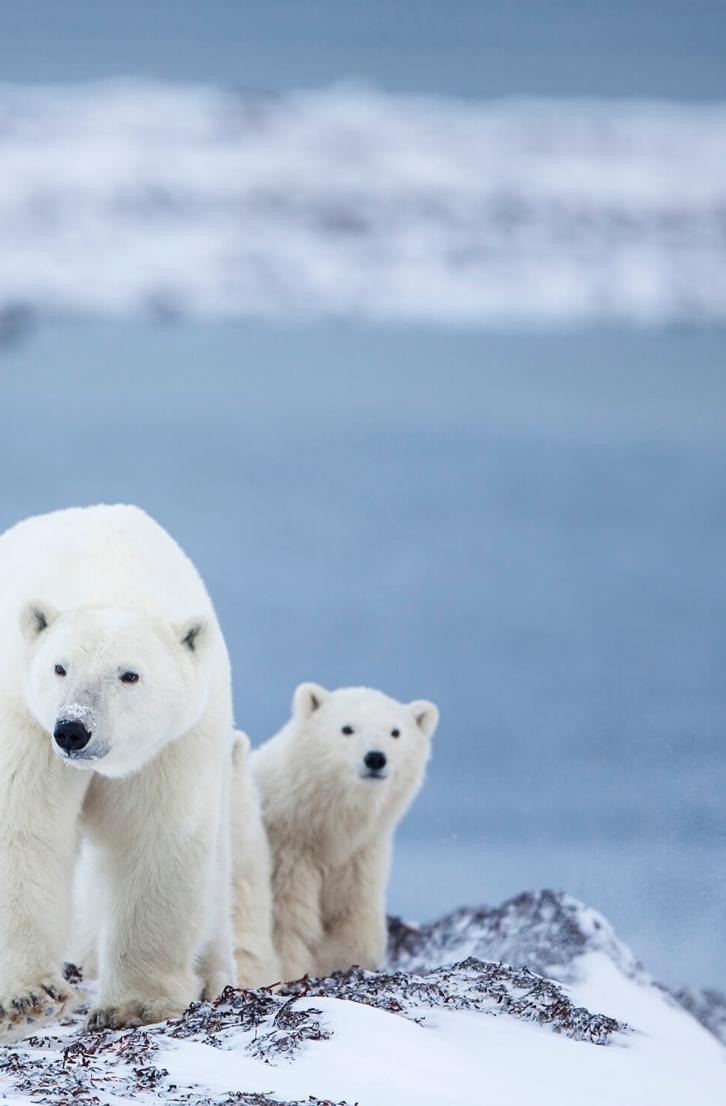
{"points": [[545, 930], [511, 962]]}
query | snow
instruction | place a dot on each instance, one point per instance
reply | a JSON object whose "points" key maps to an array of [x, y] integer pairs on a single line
{"points": [[377, 1059], [79, 712], [307, 1044], [373, 1057], [190, 200]]}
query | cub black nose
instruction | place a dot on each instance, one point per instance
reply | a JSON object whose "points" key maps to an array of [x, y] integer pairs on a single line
{"points": [[375, 760], [71, 736]]}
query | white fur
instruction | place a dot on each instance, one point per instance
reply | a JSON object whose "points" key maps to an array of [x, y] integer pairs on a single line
{"points": [[255, 957], [149, 791], [331, 825]]}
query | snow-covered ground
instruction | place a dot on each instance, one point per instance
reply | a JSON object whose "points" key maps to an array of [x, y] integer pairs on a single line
{"points": [[172, 199], [439, 1027]]}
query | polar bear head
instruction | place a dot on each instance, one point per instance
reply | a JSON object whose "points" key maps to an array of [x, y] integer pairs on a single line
{"points": [[112, 687], [362, 746]]}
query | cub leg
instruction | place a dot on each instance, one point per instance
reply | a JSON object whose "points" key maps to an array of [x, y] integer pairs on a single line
{"points": [[354, 914]]}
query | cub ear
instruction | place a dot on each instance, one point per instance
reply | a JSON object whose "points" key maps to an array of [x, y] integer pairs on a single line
{"points": [[426, 715], [240, 748], [35, 617], [195, 635], [307, 699]]}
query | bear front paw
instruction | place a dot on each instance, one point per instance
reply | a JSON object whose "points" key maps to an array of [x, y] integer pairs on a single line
{"points": [[31, 1004], [127, 1015]]}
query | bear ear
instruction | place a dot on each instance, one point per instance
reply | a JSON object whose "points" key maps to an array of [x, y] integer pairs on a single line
{"points": [[194, 635], [35, 617], [426, 715], [307, 699]]}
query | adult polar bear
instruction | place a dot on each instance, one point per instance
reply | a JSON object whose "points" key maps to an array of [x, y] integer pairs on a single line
{"points": [[115, 715]]}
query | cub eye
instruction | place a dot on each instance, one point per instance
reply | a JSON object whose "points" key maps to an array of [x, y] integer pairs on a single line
{"points": [[129, 677], [347, 730], [59, 670], [395, 733]]}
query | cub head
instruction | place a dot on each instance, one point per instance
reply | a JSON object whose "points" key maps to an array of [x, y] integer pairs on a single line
{"points": [[363, 740], [111, 687]]}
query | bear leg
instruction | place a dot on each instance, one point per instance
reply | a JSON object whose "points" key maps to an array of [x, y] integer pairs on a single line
{"points": [[40, 802]]}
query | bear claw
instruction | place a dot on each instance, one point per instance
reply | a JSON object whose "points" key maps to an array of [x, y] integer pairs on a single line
{"points": [[44, 1002], [129, 1015]]}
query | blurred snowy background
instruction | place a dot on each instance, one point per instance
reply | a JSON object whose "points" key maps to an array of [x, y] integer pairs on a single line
{"points": [[407, 319]]}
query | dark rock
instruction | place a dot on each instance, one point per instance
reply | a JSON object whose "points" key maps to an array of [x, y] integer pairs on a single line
{"points": [[545, 930], [470, 985]]}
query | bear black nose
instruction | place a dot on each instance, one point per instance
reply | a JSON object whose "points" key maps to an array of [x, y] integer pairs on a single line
{"points": [[71, 736], [375, 760]]}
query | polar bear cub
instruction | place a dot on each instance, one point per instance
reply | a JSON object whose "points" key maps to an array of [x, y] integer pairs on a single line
{"points": [[334, 783], [254, 952], [115, 722]]}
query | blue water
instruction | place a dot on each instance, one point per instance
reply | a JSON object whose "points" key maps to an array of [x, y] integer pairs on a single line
{"points": [[529, 529], [479, 48]]}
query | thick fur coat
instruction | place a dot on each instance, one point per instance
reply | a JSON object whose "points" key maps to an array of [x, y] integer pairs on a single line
{"points": [[334, 783], [115, 725], [254, 952]]}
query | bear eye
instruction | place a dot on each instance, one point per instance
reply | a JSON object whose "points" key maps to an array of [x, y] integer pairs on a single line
{"points": [[59, 670], [347, 730], [395, 733], [129, 677]]}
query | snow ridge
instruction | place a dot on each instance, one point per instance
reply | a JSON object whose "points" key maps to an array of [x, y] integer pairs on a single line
{"points": [[437, 1025], [549, 931], [546, 930], [277, 1027], [469, 985]]}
